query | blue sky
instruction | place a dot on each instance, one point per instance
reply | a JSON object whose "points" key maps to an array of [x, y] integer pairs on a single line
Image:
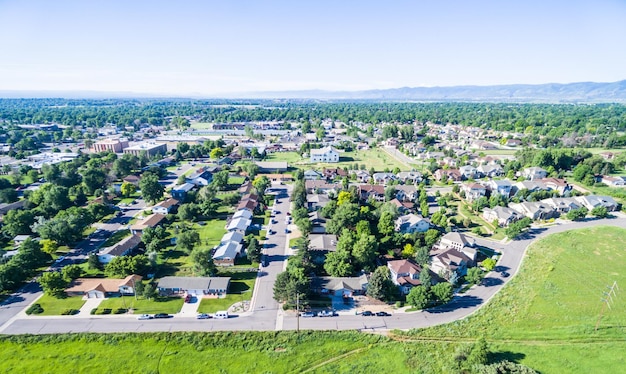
{"points": [[211, 47]]}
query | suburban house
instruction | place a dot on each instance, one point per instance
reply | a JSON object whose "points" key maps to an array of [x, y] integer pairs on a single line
{"points": [[532, 186], [562, 204], [201, 177], [473, 191], [311, 175], [556, 184], [151, 221], [165, 207], [227, 253], [404, 274], [320, 245], [197, 286], [6, 207], [534, 173], [404, 207], [239, 224], [411, 223], [180, 192], [594, 201], [272, 166], [612, 181], [469, 172], [490, 171], [409, 176], [340, 286], [505, 216], [534, 210], [320, 186], [99, 288], [245, 188], [457, 241], [452, 174], [450, 261], [362, 176], [316, 201], [406, 192], [318, 223], [19, 239], [132, 179], [122, 248], [326, 154], [232, 236], [501, 187], [375, 191], [332, 173], [383, 178], [242, 213]]}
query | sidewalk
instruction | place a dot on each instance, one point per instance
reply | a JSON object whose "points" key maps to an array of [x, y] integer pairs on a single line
{"points": [[85, 310], [190, 309]]}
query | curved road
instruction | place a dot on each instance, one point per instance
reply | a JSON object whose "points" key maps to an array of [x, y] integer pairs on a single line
{"points": [[266, 318]]}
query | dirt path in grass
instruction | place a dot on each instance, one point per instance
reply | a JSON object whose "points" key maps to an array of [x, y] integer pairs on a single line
{"points": [[333, 360]]}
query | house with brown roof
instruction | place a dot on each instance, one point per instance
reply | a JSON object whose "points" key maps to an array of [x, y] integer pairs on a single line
{"points": [[332, 173], [452, 174], [151, 221], [450, 261], [320, 186], [132, 179], [375, 191], [404, 274], [99, 288], [165, 207]]}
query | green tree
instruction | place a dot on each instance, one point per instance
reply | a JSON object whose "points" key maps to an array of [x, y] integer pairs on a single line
{"points": [[489, 264], [577, 214], [364, 251], [188, 239], [442, 292], [128, 189], [261, 183], [203, 262], [216, 153], [408, 251], [93, 179], [386, 224], [338, 264], [253, 250], [474, 275], [220, 180], [71, 272], [123, 266], [346, 216], [17, 222], [188, 212], [418, 297], [53, 283], [93, 263], [49, 246], [344, 197], [288, 285], [380, 286], [150, 291], [425, 278], [150, 187], [479, 352], [599, 212]]}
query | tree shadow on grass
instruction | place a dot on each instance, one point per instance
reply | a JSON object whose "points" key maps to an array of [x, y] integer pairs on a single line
{"points": [[459, 302]]}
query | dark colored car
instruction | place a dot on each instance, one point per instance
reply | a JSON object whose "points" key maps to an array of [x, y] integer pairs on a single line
{"points": [[188, 298], [382, 314], [505, 274], [162, 315], [366, 313]]}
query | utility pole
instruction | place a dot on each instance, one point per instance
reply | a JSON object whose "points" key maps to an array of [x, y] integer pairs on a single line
{"points": [[607, 300], [298, 313]]}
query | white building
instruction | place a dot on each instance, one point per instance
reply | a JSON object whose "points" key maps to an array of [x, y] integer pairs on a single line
{"points": [[326, 154]]}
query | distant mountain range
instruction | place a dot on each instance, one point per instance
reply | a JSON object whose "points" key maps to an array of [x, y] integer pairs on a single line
{"points": [[583, 92]]}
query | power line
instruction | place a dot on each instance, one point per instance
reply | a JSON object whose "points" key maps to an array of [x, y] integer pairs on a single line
{"points": [[607, 300]]}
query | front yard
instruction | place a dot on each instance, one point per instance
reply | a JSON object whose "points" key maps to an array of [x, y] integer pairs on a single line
{"points": [[55, 307], [143, 306], [240, 289]]}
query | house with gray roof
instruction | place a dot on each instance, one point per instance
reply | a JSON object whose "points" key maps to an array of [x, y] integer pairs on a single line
{"points": [[198, 286]]}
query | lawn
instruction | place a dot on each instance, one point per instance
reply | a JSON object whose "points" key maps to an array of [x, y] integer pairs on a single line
{"points": [[374, 157], [55, 307], [547, 314], [211, 231], [141, 306], [240, 288]]}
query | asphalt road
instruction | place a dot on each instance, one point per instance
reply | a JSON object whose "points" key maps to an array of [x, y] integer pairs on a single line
{"points": [[265, 313]]}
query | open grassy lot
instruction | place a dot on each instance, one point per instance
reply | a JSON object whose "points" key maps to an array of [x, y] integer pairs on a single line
{"points": [[165, 305], [374, 157], [55, 307], [211, 231], [546, 315]]}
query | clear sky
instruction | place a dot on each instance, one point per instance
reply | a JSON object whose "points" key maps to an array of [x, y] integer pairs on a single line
{"points": [[212, 47]]}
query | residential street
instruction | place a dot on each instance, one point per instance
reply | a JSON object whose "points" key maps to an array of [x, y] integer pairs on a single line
{"points": [[265, 310]]}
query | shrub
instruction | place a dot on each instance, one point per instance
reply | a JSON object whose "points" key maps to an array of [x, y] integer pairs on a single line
{"points": [[34, 309], [93, 311], [120, 311], [70, 312], [399, 304], [103, 311]]}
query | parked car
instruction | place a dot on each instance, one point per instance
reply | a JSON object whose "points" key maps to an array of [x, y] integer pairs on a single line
{"points": [[505, 274], [367, 313], [203, 316], [382, 314], [162, 315], [327, 313], [188, 298], [60, 259], [221, 314], [308, 314], [144, 316], [264, 262]]}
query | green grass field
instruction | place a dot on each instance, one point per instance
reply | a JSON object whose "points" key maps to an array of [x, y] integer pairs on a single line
{"points": [[548, 312], [55, 307], [374, 157], [169, 305]]}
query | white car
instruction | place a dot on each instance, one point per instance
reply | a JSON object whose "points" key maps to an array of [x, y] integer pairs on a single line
{"points": [[144, 316]]}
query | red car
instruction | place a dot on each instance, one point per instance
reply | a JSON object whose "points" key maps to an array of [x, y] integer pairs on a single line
{"points": [[188, 298]]}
